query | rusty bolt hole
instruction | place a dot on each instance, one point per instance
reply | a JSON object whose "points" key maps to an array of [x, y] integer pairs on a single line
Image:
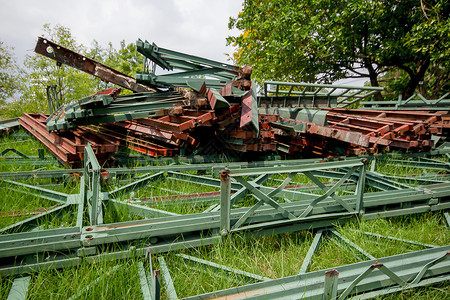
{"points": [[90, 236], [89, 229]]}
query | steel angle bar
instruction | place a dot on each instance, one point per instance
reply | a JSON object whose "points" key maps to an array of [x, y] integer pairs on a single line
{"points": [[301, 167], [354, 279], [136, 185], [18, 244], [391, 290], [328, 193], [374, 179], [183, 82], [92, 186], [249, 110], [240, 194], [36, 191], [434, 165], [203, 180], [215, 99], [225, 202], [8, 125], [330, 284], [420, 179], [19, 288], [312, 250], [381, 236], [433, 160], [36, 264], [327, 190], [32, 222], [414, 105], [371, 179], [363, 254], [204, 71], [282, 225], [140, 210], [262, 199], [39, 174], [143, 281], [149, 228], [81, 199], [447, 219], [167, 279], [32, 161], [198, 198], [138, 106], [250, 276]]}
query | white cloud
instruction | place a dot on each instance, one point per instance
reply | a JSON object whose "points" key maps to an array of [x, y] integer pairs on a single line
{"points": [[196, 27]]}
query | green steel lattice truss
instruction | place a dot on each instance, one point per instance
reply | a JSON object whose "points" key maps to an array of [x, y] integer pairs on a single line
{"points": [[256, 199]]}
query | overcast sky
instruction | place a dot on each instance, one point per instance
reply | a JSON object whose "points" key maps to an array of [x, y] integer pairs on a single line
{"points": [[197, 27]]}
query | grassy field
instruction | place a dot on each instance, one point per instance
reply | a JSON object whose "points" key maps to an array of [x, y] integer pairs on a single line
{"points": [[270, 256]]}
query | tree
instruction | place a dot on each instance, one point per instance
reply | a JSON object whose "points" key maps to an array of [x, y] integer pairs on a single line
{"points": [[10, 78], [324, 41]]}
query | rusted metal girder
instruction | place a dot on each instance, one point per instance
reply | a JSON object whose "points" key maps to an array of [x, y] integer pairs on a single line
{"points": [[67, 147], [68, 57]]}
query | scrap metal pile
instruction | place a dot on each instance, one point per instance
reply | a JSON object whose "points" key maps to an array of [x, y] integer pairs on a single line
{"points": [[210, 108], [169, 207]]}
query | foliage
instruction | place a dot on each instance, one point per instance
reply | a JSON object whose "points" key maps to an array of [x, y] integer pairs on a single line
{"points": [[10, 79], [320, 40]]}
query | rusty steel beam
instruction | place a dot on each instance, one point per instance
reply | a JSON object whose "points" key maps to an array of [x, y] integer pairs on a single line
{"points": [[188, 120], [339, 134], [68, 57], [134, 143], [67, 147]]}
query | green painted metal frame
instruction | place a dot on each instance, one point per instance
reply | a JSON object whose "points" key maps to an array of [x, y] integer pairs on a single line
{"points": [[311, 95], [190, 65], [414, 102], [277, 209]]}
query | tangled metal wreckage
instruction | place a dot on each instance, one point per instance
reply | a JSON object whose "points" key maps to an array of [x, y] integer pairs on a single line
{"points": [[188, 120]]}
